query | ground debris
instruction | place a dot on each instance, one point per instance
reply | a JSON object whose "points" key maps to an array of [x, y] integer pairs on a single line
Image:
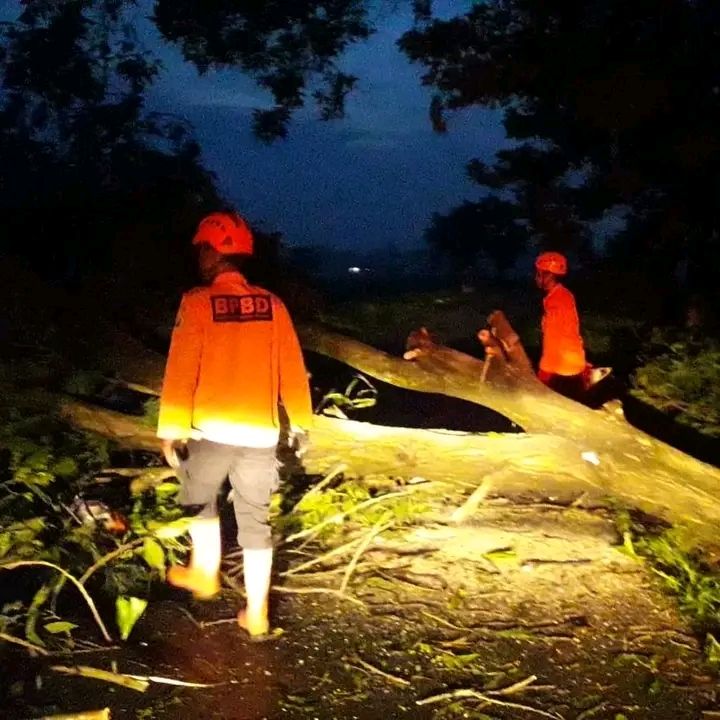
{"points": [[409, 628]]}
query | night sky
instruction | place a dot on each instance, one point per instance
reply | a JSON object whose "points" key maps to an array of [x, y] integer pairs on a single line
{"points": [[368, 181]]}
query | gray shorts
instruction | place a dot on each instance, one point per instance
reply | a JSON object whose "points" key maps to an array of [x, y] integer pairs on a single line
{"points": [[253, 475]]}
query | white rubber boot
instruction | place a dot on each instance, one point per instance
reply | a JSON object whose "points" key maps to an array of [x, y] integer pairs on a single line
{"points": [[257, 571], [202, 575]]}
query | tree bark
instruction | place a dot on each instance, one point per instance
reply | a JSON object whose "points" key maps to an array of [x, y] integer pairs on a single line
{"points": [[599, 449]]}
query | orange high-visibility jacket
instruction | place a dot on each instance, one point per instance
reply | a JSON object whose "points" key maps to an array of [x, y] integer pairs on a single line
{"points": [[563, 352], [233, 355]]}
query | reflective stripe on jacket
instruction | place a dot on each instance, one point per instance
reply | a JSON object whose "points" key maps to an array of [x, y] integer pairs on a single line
{"points": [[233, 355], [563, 352]]}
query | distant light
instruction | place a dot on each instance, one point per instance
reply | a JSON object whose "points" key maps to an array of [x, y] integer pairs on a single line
{"points": [[354, 269]]}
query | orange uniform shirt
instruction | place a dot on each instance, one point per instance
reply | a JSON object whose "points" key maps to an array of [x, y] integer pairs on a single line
{"points": [[233, 355], [563, 352]]}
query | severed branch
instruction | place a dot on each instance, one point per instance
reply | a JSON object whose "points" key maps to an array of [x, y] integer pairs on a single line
{"points": [[104, 675], [317, 591], [515, 687], [133, 682], [380, 526], [329, 477], [340, 516], [109, 557], [462, 513], [341, 549], [31, 647], [73, 580], [466, 693], [103, 714], [377, 671]]}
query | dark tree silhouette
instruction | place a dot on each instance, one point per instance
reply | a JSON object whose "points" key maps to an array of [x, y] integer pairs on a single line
{"points": [[289, 48], [611, 103], [491, 228], [88, 177], [536, 180]]}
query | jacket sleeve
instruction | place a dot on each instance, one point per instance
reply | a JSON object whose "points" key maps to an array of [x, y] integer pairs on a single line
{"points": [[182, 370], [294, 386]]}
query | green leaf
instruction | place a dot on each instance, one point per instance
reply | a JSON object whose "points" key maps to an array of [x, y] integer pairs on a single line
{"points": [[127, 612], [60, 626], [65, 467], [38, 460], [151, 412], [166, 531], [166, 489], [712, 650], [154, 555]]}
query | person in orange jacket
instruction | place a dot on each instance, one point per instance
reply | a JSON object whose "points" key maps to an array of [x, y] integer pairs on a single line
{"points": [[563, 364], [234, 356]]}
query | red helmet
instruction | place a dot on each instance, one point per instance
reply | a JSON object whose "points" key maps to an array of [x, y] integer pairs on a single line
{"points": [[227, 233], [553, 262]]}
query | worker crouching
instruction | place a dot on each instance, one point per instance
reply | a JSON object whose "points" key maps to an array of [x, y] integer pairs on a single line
{"points": [[562, 364]]}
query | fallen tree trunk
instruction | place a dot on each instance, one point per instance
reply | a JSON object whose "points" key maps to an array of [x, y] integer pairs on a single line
{"points": [[541, 466], [517, 464], [568, 449], [632, 467]]}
